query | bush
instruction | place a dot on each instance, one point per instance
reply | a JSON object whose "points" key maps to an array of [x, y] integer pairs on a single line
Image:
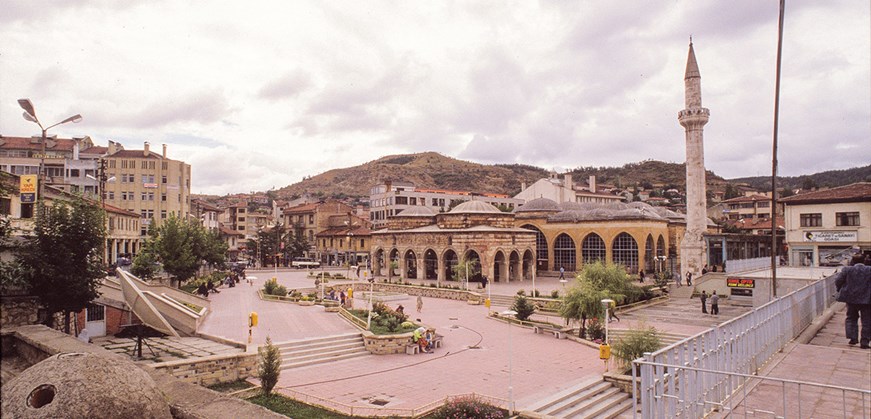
{"points": [[468, 407], [554, 294], [521, 293], [523, 307], [271, 287], [595, 330], [269, 367], [635, 343]]}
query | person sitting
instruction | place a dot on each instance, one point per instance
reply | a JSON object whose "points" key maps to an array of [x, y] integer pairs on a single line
{"points": [[400, 309], [203, 291]]}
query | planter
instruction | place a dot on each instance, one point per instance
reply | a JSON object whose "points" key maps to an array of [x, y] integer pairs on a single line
{"points": [[306, 303], [331, 309]]}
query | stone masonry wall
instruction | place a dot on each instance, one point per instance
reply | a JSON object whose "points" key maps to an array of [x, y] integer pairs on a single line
{"points": [[386, 344], [210, 370], [18, 311], [414, 290]]}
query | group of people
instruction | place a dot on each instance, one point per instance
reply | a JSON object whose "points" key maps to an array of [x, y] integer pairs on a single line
{"points": [[715, 302], [853, 284], [424, 338]]}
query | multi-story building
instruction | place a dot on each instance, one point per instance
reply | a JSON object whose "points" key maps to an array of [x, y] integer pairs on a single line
{"points": [[71, 164], [826, 227], [147, 183], [206, 213], [565, 190], [346, 241], [749, 207], [311, 219], [391, 198]]}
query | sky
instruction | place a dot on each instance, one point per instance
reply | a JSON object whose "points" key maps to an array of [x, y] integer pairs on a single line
{"points": [[258, 95]]}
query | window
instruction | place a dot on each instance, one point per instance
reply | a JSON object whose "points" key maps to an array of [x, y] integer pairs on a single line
{"points": [[240, 219], [401, 200], [147, 178], [111, 164], [148, 196], [163, 179], [110, 195], [811, 220], [127, 196], [564, 253], [123, 164], [151, 165], [26, 210], [5, 206], [763, 204], [847, 218], [74, 173], [163, 197], [311, 218], [592, 249], [625, 252], [163, 165], [147, 213], [162, 214]]}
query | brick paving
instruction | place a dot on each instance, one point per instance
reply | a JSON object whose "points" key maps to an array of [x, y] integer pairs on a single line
{"points": [[166, 348]]}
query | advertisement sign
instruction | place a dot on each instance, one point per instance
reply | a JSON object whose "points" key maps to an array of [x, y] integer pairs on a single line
{"points": [[27, 189], [149, 185], [740, 283], [831, 236]]}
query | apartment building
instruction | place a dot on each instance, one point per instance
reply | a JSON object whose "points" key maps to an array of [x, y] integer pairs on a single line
{"points": [[311, 219], [206, 213], [748, 207], [391, 198], [71, 164], [823, 228], [147, 183]]}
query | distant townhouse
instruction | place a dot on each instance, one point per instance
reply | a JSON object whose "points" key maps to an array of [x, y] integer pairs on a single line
{"points": [[346, 241], [391, 198], [823, 228], [748, 207], [206, 213], [311, 219]]}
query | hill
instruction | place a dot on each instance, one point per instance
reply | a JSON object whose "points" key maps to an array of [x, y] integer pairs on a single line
{"points": [[647, 174], [830, 178], [428, 170]]}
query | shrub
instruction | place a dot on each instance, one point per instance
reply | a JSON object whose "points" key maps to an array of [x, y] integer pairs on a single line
{"points": [[595, 330], [536, 294], [271, 287], [468, 407], [635, 343], [521, 293], [389, 321], [269, 367], [523, 307], [554, 294]]}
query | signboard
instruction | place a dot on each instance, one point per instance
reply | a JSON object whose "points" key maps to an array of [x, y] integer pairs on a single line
{"points": [[743, 292], [740, 283], [831, 236], [150, 185], [27, 189]]}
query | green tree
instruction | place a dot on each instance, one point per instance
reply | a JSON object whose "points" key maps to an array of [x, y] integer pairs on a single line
{"points": [[466, 268], [635, 343], [595, 282], [63, 260], [731, 192], [181, 246], [522, 307], [269, 368], [786, 191]]}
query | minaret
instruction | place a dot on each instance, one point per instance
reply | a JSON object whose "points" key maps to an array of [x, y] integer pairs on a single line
{"points": [[693, 119]]}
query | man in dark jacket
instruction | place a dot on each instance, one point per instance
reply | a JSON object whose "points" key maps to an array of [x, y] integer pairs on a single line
{"points": [[854, 284]]}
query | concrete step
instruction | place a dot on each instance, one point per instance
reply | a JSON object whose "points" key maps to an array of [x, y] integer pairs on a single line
{"points": [[618, 410], [318, 340], [565, 394], [319, 350], [577, 400], [295, 363], [597, 407], [588, 403]]}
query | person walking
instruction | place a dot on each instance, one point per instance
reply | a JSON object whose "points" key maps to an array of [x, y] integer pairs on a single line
{"points": [[689, 279], [641, 275], [854, 286], [715, 303], [704, 302], [612, 312], [419, 304], [562, 273]]}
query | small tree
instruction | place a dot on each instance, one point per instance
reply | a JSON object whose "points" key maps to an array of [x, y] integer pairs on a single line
{"points": [[63, 260], [523, 308], [635, 343], [269, 367]]}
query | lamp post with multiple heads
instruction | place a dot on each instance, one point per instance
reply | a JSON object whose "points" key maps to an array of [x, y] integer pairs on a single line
{"points": [[510, 313], [30, 115]]}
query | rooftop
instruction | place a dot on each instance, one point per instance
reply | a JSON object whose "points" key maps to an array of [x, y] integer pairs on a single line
{"points": [[856, 192]]}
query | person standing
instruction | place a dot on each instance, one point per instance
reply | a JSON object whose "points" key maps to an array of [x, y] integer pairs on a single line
{"points": [[419, 304], [854, 286], [689, 279], [562, 273], [704, 302], [641, 275], [715, 303]]}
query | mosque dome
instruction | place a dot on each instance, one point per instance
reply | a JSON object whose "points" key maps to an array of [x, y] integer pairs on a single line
{"points": [[83, 385], [416, 211], [539, 204], [474, 207]]}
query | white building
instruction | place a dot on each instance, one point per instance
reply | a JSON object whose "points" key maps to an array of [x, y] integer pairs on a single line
{"points": [[564, 189], [823, 228]]}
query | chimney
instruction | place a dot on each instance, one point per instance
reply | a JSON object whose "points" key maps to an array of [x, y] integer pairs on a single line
{"points": [[568, 183], [112, 149], [522, 186], [147, 149], [592, 183], [76, 150], [164, 151]]}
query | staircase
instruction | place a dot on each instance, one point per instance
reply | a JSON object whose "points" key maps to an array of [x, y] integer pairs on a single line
{"points": [[665, 338], [501, 300], [593, 398], [302, 353]]}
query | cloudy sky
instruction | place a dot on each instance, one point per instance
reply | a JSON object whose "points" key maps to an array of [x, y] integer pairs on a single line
{"points": [[256, 95]]}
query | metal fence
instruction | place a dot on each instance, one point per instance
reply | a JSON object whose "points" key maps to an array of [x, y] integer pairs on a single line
{"points": [[704, 372], [741, 265]]}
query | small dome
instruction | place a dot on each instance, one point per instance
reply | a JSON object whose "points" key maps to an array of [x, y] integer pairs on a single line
{"points": [[539, 204], [84, 385], [474, 206], [416, 212]]}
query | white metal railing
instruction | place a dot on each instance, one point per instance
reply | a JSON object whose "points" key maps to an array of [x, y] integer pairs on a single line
{"points": [[692, 376], [741, 265]]}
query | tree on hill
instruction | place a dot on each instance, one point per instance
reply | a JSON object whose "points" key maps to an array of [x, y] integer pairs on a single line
{"points": [[63, 260]]}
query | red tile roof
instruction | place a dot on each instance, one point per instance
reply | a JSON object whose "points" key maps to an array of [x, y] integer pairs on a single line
{"points": [[301, 209], [856, 192], [136, 154], [27, 143]]}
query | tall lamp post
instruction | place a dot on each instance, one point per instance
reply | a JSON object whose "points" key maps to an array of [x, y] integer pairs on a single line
{"points": [[30, 115], [510, 313]]}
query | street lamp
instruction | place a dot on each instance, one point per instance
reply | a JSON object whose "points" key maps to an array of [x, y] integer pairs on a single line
{"points": [[510, 313], [607, 303], [30, 115]]}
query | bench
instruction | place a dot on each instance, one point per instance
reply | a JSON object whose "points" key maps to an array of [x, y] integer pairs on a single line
{"points": [[412, 349], [557, 333], [437, 341]]}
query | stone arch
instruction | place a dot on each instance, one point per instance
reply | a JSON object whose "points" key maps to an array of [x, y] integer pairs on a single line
{"points": [[528, 264], [393, 264], [449, 262], [564, 253], [593, 249], [430, 264], [649, 251], [660, 252], [476, 264], [540, 247], [624, 251], [409, 262], [515, 267], [378, 262], [500, 267]]}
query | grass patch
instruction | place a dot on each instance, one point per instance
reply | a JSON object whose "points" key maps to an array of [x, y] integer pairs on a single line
{"points": [[294, 409], [193, 307], [231, 386]]}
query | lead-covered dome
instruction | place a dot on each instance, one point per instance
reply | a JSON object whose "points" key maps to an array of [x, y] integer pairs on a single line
{"points": [[539, 204], [474, 207], [416, 212]]}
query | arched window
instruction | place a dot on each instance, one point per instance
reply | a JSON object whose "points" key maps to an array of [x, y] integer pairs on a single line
{"points": [[648, 254], [624, 252], [540, 245], [593, 249], [564, 253]]}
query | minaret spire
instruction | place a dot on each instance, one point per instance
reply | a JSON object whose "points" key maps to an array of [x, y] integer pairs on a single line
{"points": [[693, 119]]}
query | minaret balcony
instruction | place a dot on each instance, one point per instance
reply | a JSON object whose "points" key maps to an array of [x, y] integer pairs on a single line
{"points": [[694, 116]]}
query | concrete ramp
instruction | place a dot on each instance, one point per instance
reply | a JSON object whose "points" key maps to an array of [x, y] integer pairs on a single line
{"points": [[141, 305]]}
